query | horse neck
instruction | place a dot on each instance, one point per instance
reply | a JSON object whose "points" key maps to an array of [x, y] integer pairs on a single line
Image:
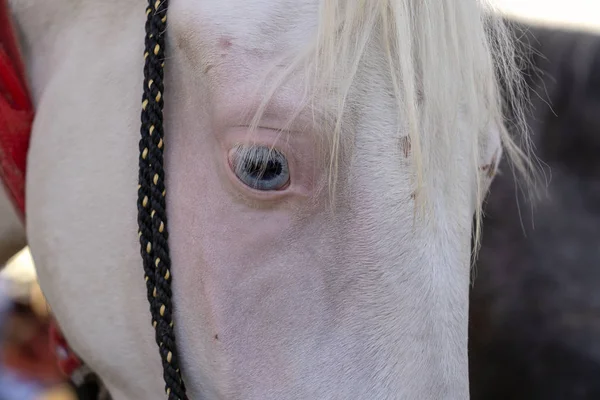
{"points": [[42, 25], [38, 24], [35, 22]]}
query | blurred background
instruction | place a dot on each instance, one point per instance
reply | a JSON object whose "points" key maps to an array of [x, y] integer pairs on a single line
{"points": [[28, 364], [535, 301]]}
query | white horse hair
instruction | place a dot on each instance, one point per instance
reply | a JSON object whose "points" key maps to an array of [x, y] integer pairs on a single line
{"points": [[356, 292]]}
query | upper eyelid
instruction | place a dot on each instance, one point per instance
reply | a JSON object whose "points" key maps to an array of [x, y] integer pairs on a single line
{"points": [[273, 149]]}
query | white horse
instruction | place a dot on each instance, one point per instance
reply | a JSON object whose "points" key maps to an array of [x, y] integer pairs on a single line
{"points": [[342, 275]]}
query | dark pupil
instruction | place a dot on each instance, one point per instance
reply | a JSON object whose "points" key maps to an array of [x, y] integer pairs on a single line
{"points": [[258, 169]]}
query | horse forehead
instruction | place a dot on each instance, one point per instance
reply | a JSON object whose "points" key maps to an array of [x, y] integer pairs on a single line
{"points": [[258, 27], [227, 46]]}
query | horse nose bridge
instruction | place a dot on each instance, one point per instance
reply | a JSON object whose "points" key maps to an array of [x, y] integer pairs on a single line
{"points": [[375, 208], [382, 175]]}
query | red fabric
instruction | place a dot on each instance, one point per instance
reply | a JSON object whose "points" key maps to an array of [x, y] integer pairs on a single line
{"points": [[16, 112], [16, 120], [68, 362]]}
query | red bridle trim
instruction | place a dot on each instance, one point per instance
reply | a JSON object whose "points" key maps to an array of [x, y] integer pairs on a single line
{"points": [[68, 362], [16, 112]]}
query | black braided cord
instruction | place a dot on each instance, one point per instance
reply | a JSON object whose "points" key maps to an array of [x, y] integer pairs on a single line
{"points": [[152, 216]]}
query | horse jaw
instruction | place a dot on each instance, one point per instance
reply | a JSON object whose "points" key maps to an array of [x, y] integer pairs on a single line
{"points": [[284, 300]]}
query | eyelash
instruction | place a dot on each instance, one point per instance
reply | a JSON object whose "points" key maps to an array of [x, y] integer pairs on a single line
{"points": [[260, 167]]}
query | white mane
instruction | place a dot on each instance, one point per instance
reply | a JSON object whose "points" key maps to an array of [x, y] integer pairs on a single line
{"points": [[453, 52]]}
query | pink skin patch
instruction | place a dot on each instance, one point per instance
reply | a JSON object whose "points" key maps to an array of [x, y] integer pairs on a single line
{"points": [[225, 43]]}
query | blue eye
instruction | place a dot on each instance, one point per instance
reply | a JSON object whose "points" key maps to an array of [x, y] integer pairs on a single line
{"points": [[260, 167]]}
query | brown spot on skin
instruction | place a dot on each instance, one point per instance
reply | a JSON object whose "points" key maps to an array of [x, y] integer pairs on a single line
{"points": [[208, 68], [491, 167], [405, 145], [413, 195], [217, 336]]}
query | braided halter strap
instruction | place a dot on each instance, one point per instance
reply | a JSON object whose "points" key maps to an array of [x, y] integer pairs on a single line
{"points": [[152, 215]]}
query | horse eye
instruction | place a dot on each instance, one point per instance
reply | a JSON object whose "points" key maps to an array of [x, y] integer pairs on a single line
{"points": [[260, 167]]}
